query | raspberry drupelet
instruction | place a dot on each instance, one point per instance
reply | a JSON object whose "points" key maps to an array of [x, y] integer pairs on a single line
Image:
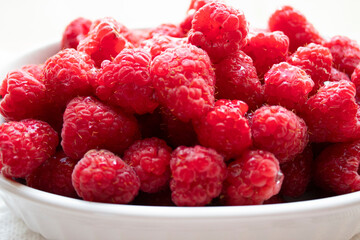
{"points": [[89, 124], [54, 176], [236, 78], [184, 81], [126, 82], [150, 158], [197, 175], [219, 29], [75, 32], [225, 128], [101, 176], [25, 145], [252, 178], [280, 131]]}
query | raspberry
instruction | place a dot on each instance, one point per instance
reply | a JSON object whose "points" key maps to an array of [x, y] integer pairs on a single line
{"points": [[337, 166], [75, 32], [279, 131], [345, 53], [25, 145], [167, 29], [105, 40], [198, 174], [68, 74], [315, 60], [225, 128], [287, 85], [252, 178], [355, 78], [331, 114], [101, 176], [295, 25], [219, 29], [337, 75], [54, 176], [184, 81], [90, 124], [126, 82], [297, 174], [36, 70], [150, 158], [236, 78], [266, 49], [177, 133], [23, 96], [159, 43]]}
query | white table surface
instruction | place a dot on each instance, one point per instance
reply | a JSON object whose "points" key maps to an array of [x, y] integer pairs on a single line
{"points": [[25, 25]]}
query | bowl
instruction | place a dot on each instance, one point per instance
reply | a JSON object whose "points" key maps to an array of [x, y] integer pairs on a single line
{"points": [[62, 218]]}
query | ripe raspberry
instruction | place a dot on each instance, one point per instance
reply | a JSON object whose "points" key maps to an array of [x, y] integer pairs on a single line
{"points": [[54, 176], [252, 178], [101, 176], [36, 70], [295, 25], [22, 96], [25, 145], [75, 32], [279, 131], [337, 75], [126, 82], [150, 158], [176, 132], [287, 85], [160, 43], [266, 49], [345, 53], [90, 124], [315, 60], [167, 29], [331, 114], [236, 78], [105, 40], [219, 29], [198, 174], [297, 174], [184, 81], [225, 128], [68, 74], [336, 168], [355, 78]]}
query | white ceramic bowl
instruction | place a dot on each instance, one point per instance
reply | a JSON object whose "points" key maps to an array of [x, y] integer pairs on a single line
{"points": [[57, 217]]}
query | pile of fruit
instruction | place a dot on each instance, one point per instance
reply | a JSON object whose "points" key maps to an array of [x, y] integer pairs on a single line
{"points": [[206, 112]]}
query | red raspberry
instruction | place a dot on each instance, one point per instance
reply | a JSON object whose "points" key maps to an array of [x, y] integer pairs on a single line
{"points": [[331, 114], [68, 74], [150, 158], [90, 124], [167, 29], [219, 29], [126, 82], [345, 53], [105, 40], [315, 60], [297, 174], [279, 131], [287, 85], [198, 173], [252, 178], [36, 70], [337, 166], [22, 96], [101, 176], [337, 75], [236, 78], [177, 133], [295, 25], [25, 145], [75, 32], [54, 176], [160, 43], [184, 81], [266, 49], [355, 78], [225, 128]]}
